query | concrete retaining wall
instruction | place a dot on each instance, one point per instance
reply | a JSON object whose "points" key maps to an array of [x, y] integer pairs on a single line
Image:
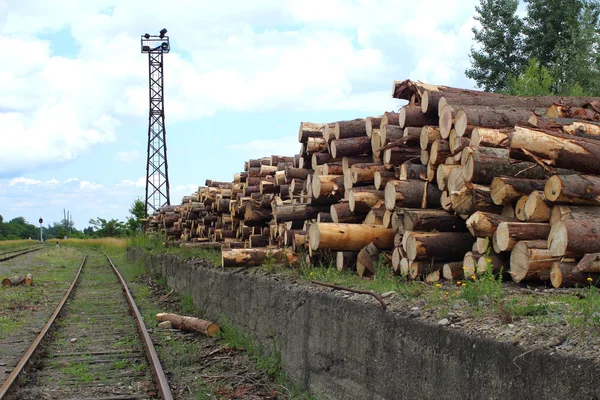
{"points": [[343, 349]]}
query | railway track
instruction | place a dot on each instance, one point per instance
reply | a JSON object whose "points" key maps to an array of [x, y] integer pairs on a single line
{"points": [[94, 346], [9, 255]]}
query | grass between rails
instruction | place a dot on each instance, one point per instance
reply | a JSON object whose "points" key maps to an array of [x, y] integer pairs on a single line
{"points": [[483, 296], [229, 366], [52, 270]]}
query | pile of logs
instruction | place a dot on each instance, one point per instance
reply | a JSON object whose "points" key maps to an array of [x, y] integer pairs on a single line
{"points": [[458, 182]]}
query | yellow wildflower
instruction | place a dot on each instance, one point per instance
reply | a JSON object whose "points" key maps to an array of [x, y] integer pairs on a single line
{"points": [[458, 283], [438, 285], [473, 277], [589, 279]]}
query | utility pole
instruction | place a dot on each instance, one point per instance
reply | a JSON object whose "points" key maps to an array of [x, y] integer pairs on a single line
{"points": [[41, 230], [157, 175]]}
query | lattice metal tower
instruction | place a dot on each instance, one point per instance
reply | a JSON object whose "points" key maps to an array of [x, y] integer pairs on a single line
{"points": [[157, 171]]}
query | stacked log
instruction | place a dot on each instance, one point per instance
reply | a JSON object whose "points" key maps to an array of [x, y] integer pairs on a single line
{"points": [[456, 183]]}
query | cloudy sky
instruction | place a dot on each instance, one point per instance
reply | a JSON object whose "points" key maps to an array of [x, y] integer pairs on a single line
{"points": [[240, 77]]}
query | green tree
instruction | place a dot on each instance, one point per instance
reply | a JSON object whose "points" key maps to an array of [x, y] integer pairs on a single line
{"points": [[534, 81], [500, 40], [108, 228], [562, 35], [138, 212]]}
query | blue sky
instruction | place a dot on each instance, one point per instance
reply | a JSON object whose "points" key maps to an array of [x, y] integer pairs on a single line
{"points": [[239, 79]]}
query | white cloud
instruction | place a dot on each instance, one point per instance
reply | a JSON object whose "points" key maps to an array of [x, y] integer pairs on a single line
{"points": [[286, 145], [85, 185], [25, 181], [129, 156], [278, 55], [139, 183]]}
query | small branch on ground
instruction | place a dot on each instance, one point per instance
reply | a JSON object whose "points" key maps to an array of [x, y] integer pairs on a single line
{"points": [[378, 297]]}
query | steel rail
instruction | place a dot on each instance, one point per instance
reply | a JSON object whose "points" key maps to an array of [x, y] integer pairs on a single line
{"points": [[159, 375], [12, 378], [19, 254]]}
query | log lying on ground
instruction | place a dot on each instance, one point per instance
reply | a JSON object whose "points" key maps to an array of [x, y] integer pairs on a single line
{"points": [[437, 245], [422, 269], [189, 323], [506, 190], [564, 274], [509, 233], [493, 263], [589, 263], [429, 220], [255, 257], [573, 189], [366, 259], [537, 208], [529, 258], [574, 237], [203, 245], [566, 151], [13, 281], [346, 260], [349, 237], [28, 279], [453, 270]]}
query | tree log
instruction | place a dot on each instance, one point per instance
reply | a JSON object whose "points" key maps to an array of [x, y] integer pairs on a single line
{"points": [[489, 117], [259, 241], [412, 116], [350, 129], [340, 213], [372, 123], [366, 259], [327, 185], [292, 212], [442, 174], [537, 208], [440, 150], [397, 156], [429, 134], [381, 178], [520, 208], [509, 233], [493, 263], [410, 170], [349, 237], [484, 224], [564, 274], [470, 260], [412, 193], [487, 137], [346, 260], [574, 189], [309, 129], [528, 258], [361, 199], [453, 270], [566, 151], [254, 216], [574, 237], [255, 257], [375, 216], [589, 263], [456, 181], [429, 220], [437, 245], [365, 173], [390, 133], [505, 190], [469, 200], [422, 269], [189, 323], [353, 146], [563, 212], [13, 281]]}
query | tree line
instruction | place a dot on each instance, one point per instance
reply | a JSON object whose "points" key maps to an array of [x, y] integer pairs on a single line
{"points": [[551, 50], [19, 228]]}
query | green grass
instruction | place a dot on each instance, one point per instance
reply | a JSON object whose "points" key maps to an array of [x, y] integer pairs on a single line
{"points": [[155, 244], [79, 372]]}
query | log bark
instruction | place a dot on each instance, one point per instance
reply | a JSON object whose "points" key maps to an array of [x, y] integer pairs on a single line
{"points": [[390, 133], [589, 263], [489, 117], [28, 279], [399, 155], [255, 257], [566, 151], [506, 190], [324, 217], [493, 263], [412, 116], [293, 212], [412, 193], [189, 323], [469, 200], [453, 270], [381, 178], [411, 170], [366, 259], [348, 162], [297, 173], [573, 189], [346, 260], [429, 134], [564, 274], [353, 146], [334, 168], [372, 123], [254, 216], [479, 168], [484, 224], [350, 129], [365, 173], [13, 281], [487, 137], [509, 233], [574, 237], [422, 269], [361, 199], [349, 237], [437, 245], [375, 216], [259, 241], [440, 150], [340, 213], [429, 220], [564, 212], [537, 208]]}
